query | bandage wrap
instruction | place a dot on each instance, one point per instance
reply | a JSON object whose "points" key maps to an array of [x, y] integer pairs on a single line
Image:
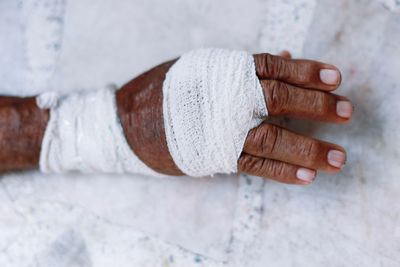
{"points": [[211, 99], [84, 134]]}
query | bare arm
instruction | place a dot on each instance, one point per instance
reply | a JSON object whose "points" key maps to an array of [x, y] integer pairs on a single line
{"points": [[22, 125]]}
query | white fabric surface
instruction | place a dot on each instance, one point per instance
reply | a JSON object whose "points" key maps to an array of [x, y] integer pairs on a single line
{"points": [[211, 99]]}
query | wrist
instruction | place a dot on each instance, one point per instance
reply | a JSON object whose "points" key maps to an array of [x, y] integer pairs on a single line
{"points": [[139, 105]]}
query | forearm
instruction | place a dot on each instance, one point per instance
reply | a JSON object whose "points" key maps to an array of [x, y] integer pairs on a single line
{"points": [[22, 126], [139, 105]]}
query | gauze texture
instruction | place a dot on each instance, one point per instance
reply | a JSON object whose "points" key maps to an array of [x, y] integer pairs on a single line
{"points": [[84, 134], [211, 99]]}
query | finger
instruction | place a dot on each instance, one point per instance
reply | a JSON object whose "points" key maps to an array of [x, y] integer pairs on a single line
{"points": [[285, 54], [273, 142], [275, 170], [283, 99], [301, 72]]}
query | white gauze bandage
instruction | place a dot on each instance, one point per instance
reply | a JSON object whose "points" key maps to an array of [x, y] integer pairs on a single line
{"points": [[84, 134], [211, 99]]}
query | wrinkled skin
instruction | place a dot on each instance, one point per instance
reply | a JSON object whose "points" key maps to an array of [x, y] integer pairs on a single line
{"points": [[22, 126], [140, 111], [293, 88]]}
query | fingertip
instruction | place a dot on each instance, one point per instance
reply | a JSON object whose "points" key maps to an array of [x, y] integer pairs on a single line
{"points": [[336, 158], [344, 109], [330, 76], [285, 54], [305, 175]]}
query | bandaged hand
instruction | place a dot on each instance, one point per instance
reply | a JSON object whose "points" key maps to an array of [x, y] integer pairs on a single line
{"points": [[291, 87]]}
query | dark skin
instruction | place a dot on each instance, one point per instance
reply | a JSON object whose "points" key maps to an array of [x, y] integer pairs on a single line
{"points": [[140, 107], [293, 88], [22, 126]]}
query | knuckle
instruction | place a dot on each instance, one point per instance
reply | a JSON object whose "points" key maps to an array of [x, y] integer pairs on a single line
{"points": [[271, 66], [277, 97], [304, 72], [319, 101], [248, 163], [276, 169], [309, 151], [267, 167], [267, 138], [244, 162], [264, 167], [277, 67]]}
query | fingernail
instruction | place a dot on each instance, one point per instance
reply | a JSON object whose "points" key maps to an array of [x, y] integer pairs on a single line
{"points": [[344, 109], [329, 76], [305, 174], [336, 158]]}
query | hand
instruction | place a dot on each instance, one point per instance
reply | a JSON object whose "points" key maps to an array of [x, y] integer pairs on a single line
{"points": [[296, 88], [301, 89]]}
